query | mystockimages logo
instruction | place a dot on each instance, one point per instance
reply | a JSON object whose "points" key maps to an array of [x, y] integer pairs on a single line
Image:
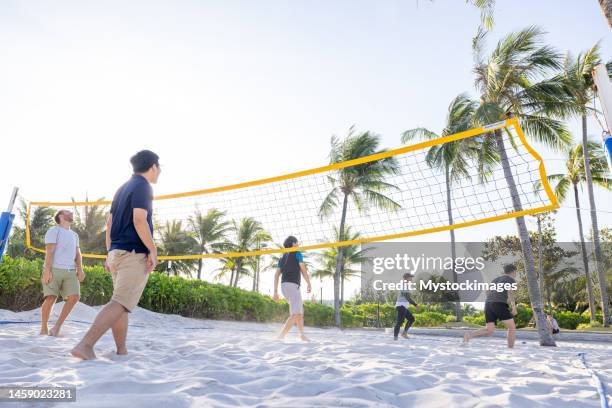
{"points": [[433, 270]]}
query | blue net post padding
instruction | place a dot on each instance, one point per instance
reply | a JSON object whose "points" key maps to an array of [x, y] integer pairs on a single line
{"points": [[6, 222], [607, 145]]}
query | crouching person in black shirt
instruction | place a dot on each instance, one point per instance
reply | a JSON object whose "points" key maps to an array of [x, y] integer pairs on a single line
{"points": [[499, 306]]}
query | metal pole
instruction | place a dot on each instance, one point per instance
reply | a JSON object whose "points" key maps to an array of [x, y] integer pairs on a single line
{"points": [[12, 201]]}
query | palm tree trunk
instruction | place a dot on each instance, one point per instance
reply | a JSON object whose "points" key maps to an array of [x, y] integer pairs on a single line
{"points": [[200, 268], [606, 8], [585, 260], [257, 275], [339, 264], [449, 209], [342, 287], [540, 261], [232, 277], [532, 283], [599, 264]]}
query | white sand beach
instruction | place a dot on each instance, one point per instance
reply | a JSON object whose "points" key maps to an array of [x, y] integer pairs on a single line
{"points": [[181, 362]]}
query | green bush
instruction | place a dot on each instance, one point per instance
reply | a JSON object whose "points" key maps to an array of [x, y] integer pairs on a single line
{"points": [[429, 319], [524, 315], [476, 319], [589, 325], [568, 320]]}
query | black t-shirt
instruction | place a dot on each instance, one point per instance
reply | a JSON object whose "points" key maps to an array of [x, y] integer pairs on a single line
{"points": [[290, 268], [502, 297], [135, 193]]}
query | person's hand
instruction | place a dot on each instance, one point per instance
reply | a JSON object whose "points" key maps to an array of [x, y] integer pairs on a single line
{"points": [[106, 265], [308, 288], [47, 276], [151, 261], [514, 312], [275, 297], [80, 274]]}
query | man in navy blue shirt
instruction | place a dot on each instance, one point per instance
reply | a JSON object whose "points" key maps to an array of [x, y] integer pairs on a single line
{"points": [[132, 254]]}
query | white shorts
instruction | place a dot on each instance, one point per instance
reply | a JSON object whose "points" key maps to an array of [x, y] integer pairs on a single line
{"points": [[291, 292]]}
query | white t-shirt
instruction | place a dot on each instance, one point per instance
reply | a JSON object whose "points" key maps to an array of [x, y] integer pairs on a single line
{"points": [[66, 243]]}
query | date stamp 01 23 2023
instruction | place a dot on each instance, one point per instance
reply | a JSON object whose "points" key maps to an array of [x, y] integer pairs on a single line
{"points": [[37, 394]]}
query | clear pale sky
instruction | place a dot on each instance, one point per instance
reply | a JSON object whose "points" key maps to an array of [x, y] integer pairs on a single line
{"points": [[232, 91]]}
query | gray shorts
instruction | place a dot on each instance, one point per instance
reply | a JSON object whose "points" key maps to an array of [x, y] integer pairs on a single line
{"points": [[293, 295]]}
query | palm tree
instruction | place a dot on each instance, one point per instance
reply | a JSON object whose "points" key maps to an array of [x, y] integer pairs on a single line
{"points": [[210, 231], [578, 74], [486, 11], [507, 81], [248, 235], [175, 240], [41, 219], [351, 255], [452, 158], [574, 176], [262, 239], [90, 225], [606, 9], [364, 184]]}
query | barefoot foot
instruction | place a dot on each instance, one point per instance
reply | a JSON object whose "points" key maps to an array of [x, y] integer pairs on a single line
{"points": [[304, 338], [54, 331], [122, 351], [83, 352]]}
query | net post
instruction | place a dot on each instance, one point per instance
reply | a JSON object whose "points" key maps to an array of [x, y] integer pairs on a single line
{"points": [[6, 223]]}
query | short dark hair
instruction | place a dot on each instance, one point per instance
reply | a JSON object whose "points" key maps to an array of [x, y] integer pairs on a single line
{"points": [[57, 216], [509, 268], [289, 241], [407, 275], [144, 160]]}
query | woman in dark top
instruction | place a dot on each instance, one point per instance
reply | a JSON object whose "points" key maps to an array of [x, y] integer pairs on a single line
{"points": [[291, 267]]}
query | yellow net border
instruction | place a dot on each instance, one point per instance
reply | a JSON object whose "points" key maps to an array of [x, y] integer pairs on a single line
{"points": [[510, 123]]}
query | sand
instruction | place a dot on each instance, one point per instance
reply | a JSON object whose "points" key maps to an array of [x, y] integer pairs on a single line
{"points": [[180, 362]]}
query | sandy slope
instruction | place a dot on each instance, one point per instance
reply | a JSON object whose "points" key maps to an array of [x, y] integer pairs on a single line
{"points": [[180, 362]]}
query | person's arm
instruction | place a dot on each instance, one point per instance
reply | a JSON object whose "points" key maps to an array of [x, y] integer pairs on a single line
{"points": [[276, 277], [109, 224], [306, 277], [512, 302], [144, 233], [411, 301], [49, 252], [78, 260]]}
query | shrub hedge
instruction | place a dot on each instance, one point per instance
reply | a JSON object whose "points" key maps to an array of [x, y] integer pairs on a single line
{"points": [[20, 289]]}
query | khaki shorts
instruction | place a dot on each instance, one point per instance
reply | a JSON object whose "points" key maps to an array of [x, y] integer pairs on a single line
{"points": [[64, 283], [129, 272], [293, 295]]}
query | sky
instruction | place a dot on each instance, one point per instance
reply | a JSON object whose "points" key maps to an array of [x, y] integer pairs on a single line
{"points": [[233, 91]]}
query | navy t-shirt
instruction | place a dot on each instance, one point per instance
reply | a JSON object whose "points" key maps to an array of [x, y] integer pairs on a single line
{"points": [[289, 264], [136, 193]]}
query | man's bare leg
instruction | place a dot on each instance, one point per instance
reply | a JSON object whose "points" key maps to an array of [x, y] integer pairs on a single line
{"points": [[288, 325], [120, 329], [45, 312], [299, 319], [511, 326], [107, 317], [66, 309], [487, 331]]}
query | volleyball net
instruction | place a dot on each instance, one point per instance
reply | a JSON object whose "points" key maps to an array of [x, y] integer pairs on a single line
{"points": [[389, 195]]}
